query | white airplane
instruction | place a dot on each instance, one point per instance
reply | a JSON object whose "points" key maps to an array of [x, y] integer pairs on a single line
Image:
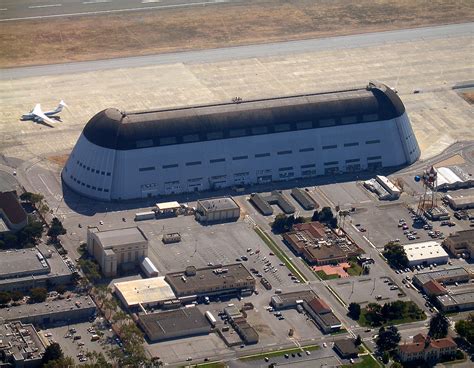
{"points": [[40, 116]]}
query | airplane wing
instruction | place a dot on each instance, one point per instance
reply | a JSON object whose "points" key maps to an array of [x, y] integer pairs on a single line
{"points": [[39, 113]]}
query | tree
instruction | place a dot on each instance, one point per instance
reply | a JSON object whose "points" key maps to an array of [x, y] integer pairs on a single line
{"points": [[29, 235], [38, 295], [465, 328], [395, 255], [133, 354], [439, 326], [388, 339], [358, 340], [56, 228], [52, 352], [64, 362], [326, 214], [278, 226], [32, 198], [10, 240], [61, 289], [16, 295], [385, 357], [373, 314], [90, 269], [354, 311], [315, 216], [97, 360], [5, 297]]}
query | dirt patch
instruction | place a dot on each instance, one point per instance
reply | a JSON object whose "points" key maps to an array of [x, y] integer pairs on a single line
{"points": [[59, 160], [468, 96], [453, 160], [60, 40], [263, 329]]}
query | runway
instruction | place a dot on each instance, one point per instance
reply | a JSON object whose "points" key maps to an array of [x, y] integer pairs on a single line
{"points": [[249, 52], [15, 10]]}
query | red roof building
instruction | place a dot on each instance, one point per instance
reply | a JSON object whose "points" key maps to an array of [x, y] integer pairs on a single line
{"points": [[11, 212], [426, 349], [433, 287]]}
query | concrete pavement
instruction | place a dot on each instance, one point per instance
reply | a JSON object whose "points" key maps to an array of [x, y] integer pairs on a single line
{"points": [[16, 10]]}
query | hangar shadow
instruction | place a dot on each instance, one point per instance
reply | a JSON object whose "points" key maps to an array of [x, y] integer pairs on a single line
{"points": [[89, 207]]}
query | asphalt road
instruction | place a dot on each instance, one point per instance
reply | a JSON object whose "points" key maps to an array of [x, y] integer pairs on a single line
{"points": [[15, 10], [246, 52]]}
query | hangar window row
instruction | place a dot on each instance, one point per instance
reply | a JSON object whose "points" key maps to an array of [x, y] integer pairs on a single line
{"points": [[258, 130], [99, 189], [88, 168]]}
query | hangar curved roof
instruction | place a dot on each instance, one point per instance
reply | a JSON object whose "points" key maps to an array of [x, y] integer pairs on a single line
{"points": [[114, 129]]}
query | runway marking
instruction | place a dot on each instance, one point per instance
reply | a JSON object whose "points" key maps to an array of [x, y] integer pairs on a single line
{"points": [[44, 6], [46, 185], [3, 9], [150, 1], [170, 6], [95, 2]]}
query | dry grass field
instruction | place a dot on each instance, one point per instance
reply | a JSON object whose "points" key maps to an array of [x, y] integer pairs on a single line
{"points": [[468, 96], [60, 40]]}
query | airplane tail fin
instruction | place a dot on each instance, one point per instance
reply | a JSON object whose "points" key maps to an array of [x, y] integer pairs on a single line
{"points": [[60, 106]]}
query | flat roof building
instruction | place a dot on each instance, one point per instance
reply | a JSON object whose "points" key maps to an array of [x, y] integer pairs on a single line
{"points": [[456, 302], [461, 202], [174, 324], [116, 249], [444, 275], [322, 315], [211, 280], [20, 345], [152, 291], [124, 155], [425, 253], [217, 210], [291, 300], [24, 269], [68, 310], [461, 243], [320, 245]]}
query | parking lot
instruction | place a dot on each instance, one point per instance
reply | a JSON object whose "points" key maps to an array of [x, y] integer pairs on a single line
{"points": [[76, 339], [365, 290]]}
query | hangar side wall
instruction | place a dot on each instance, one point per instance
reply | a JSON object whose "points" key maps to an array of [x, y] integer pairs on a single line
{"points": [[108, 174]]}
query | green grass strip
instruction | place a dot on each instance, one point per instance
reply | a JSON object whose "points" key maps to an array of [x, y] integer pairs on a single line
{"points": [[367, 361], [270, 354], [212, 365], [280, 254]]}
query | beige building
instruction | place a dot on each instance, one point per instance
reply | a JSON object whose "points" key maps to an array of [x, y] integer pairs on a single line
{"points": [[461, 242], [425, 349], [114, 249]]}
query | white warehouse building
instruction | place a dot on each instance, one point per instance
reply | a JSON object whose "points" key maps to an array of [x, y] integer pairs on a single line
{"points": [[122, 155], [426, 253]]}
